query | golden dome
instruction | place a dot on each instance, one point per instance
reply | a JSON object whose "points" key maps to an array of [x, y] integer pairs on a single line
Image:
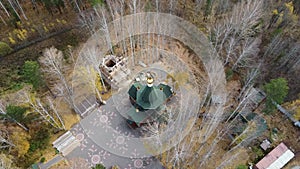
{"points": [[150, 80]]}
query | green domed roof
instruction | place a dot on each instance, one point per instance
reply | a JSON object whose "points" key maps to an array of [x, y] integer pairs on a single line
{"points": [[149, 97]]}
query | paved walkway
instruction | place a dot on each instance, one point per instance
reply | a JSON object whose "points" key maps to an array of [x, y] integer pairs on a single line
{"points": [[102, 144], [164, 25], [103, 134], [106, 138], [53, 161]]}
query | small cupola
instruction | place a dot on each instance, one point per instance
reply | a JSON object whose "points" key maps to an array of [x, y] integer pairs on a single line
{"points": [[150, 79]]}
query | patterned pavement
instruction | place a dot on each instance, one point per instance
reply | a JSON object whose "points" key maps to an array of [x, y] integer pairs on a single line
{"points": [[104, 135], [106, 138], [94, 154]]}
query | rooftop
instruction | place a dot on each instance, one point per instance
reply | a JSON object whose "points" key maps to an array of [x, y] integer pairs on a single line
{"points": [[147, 99], [276, 159], [265, 144]]}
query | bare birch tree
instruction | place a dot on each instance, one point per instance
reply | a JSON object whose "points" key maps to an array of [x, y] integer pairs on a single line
{"points": [[53, 66], [5, 142], [38, 107], [92, 76], [21, 9], [3, 7], [14, 9], [53, 108], [104, 28], [292, 57], [246, 15], [238, 27], [274, 47], [2, 19], [247, 53], [249, 80], [94, 61], [6, 162]]}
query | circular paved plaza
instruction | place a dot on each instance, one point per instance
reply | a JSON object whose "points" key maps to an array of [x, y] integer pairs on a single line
{"points": [[104, 135]]}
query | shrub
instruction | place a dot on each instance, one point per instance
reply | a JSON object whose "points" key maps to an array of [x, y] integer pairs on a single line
{"points": [[4, 49], [115, 167], [97, 2], [259, 154], [99, 166], [40, 140], [43, 159], [241, 166], [229, 74], [56, 151], [15, 86]]}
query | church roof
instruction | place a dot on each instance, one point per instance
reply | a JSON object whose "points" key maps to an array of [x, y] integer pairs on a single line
{"points": [[139, 116], [149, 97], [133, 90]]}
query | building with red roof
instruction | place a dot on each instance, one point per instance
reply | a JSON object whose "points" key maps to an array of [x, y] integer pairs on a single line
{"points": [[276, 159]]}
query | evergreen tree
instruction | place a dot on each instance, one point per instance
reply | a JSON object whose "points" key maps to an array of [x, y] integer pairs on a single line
{"points": [[15, 112], [276, 90], [31, 73]]}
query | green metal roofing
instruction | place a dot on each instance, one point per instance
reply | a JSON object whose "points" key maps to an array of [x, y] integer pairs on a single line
{"points": [[137, 117], [166, 89], [133, 90], [147, 98], [150, 97], [141, 116]]}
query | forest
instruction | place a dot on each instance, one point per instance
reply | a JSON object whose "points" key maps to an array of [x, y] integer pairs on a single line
{"points": [[40, 41]]}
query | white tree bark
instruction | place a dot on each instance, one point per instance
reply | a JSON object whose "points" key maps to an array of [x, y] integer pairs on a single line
{"points": [[3, 112], [107, 32], [6, 162], [247, 53], [53, 67], [39, 108], [236, 28], [3, 20], [54, 109], [4, 140], [77, 6], [246, 15], [13, 7], [249, 80], [274, 47], [230, 50], [92, 78], [22, 11], [3, 7], [93, 60], [291, 58]]}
